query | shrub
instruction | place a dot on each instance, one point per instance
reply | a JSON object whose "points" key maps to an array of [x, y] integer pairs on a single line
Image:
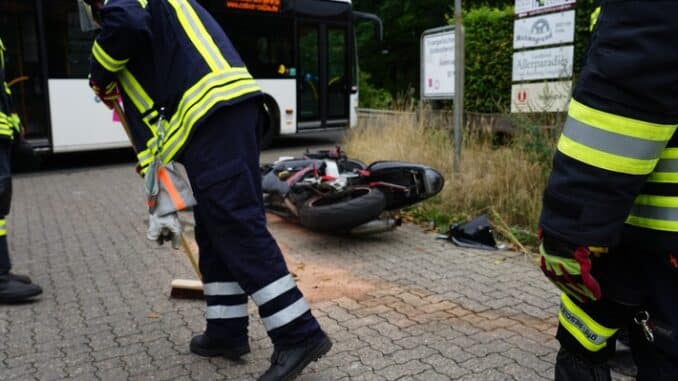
{"points": [[489, 54]]}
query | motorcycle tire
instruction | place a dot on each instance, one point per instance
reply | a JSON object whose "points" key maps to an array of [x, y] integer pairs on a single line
{"points": [[344, 211]]}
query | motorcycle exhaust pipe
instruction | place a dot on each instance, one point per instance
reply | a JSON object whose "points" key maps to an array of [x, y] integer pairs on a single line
{"points": [[376, 226]]}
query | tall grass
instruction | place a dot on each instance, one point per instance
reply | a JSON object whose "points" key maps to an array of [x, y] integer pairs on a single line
{"points": [[507, 179]]}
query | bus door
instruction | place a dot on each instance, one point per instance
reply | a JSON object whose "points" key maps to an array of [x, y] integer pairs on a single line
{"points": [[24, 68], [323, 75]]}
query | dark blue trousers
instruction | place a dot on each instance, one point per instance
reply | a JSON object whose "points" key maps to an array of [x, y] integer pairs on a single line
{"points": [[5, 182], [238, 255], [636, 277]]}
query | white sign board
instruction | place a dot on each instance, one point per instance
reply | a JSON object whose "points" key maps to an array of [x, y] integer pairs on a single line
{"points": [[543, 63], [551, 29], [437, 65], [528, 7], [541, 97]]}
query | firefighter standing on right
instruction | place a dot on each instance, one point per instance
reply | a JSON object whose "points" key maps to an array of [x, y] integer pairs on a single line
{"points": [[610, 213]]}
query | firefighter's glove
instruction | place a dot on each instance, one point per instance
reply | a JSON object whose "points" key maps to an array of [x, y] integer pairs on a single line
{"points": [[167, 193], [108, 93], [570, 270], [165, 228]]}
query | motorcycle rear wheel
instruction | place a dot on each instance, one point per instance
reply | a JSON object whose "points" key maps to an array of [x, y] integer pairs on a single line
{"points": [[343, 211]]}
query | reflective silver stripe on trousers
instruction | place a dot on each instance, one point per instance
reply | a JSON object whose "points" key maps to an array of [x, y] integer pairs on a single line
{"points": [[610, 142], [226, 312], [287, 315], [667, 165], [274, 290], [222, 288], [655, 212]]}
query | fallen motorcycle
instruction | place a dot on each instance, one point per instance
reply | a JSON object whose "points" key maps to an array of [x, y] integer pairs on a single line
{"points": [[327, 191]]}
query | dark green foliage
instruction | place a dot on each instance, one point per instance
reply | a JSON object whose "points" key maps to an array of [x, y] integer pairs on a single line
{"points": [[489, 39], [404, 22], [371, 96], [489, 52]]}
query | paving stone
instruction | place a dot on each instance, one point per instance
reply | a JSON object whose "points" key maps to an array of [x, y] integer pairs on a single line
{"points": [[435, 312]]}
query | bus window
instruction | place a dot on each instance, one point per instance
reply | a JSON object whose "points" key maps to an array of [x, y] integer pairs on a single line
{"points": [[309, 69], [19, 32], [337, 87], [264, 45], [68, 47]]}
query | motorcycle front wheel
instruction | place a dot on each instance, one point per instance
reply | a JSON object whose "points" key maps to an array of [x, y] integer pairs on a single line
{"points": [[342, 211]]}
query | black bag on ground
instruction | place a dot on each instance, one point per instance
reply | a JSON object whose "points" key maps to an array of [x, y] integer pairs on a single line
{"points": [[475, 234]]}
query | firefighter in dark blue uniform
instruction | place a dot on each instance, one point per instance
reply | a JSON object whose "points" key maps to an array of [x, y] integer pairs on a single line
{"points": [[610, 215], [171, 59], [13, 287]]}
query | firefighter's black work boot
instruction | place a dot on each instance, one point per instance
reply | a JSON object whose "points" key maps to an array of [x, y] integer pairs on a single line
{"points": [[13, 290], [288, 363], [203, 345], [570, 367], [25, 279]]}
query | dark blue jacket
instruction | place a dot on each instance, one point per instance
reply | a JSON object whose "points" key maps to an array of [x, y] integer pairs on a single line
{"points": [[9, 121], [171, 55]]}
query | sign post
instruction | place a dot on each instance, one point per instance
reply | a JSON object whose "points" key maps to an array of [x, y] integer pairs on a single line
{"points": [[458, 84]]}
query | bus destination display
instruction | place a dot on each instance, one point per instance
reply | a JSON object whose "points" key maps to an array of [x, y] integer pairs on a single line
{"points": [[255, 5]]}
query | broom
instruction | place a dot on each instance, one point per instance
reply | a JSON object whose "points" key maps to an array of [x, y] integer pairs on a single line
{"points": [[181, 288]]}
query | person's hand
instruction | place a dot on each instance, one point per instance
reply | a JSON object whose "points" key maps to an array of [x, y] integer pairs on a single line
{"points": [[165, 228], [570, 270], [108, 94]]}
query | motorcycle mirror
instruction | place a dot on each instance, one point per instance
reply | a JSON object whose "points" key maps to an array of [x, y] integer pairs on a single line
{"points": [[87, 22]]}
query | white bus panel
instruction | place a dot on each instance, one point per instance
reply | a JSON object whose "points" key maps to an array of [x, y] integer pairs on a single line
{"points": [[79, 122]]}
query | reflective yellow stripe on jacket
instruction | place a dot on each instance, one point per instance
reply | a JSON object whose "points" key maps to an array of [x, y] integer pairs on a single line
{"points": [[657, 207], [3, 227], [594, 17], [198, 35], [612, 142], [224, 83], [111, 64], [6, 125]]}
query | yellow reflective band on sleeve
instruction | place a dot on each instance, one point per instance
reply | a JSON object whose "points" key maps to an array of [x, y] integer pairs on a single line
{"points": [[652, 223], [620, 124], [3, 227], [589, 333], [198, 35], [144, 3], [613, 142], [109, 63], [594, 17], [663, 177], [604, 160], [658, 201]]}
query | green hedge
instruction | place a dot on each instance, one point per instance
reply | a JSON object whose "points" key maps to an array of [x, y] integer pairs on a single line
{"points": [[489, 54]]}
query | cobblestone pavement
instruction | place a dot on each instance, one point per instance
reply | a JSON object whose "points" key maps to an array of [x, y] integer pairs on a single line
{"points": [[400, 306]]}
